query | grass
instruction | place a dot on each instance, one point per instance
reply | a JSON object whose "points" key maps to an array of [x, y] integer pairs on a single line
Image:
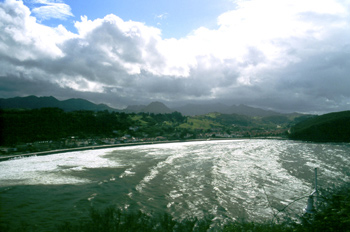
{"points": [[138, 118], [199, 123]]}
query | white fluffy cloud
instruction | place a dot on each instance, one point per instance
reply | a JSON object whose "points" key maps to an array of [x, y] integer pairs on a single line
{"points": [[281, 54], [52, 9], [22, 38]]}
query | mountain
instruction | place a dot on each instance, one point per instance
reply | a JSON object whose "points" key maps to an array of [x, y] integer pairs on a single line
{"points": [[203, 109], [332, 127], [81, 104], [30, 102], [251, 111], [157, 108], [154, 107], [134, 108], [33, 102], [197, 109]]}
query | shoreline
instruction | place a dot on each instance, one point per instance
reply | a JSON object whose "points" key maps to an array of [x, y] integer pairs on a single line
{"points": [[57, 151]]}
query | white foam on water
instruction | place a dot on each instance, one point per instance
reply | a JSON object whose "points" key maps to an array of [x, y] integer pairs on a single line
{"points": [[53, 169], [249, 173], [172, 152], [127, 172], [329, 159], [92, 196], [175, 194]]}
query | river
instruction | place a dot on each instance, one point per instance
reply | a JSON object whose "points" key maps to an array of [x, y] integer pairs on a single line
{"points": [[230, 179]]}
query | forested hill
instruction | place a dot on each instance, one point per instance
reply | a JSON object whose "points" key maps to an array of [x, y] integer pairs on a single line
{"points": [[33, 102], [332, 127]]}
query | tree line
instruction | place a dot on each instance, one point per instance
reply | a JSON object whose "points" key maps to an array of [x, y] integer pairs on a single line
{"points": [[25, 126]]}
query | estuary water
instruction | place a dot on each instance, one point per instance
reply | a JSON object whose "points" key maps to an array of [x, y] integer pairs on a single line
{"points": [[230, 179]]}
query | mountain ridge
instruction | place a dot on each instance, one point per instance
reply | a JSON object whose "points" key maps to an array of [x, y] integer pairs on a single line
{"points": [[73, 104], [157, 108], [34, 102], [197, 109]]}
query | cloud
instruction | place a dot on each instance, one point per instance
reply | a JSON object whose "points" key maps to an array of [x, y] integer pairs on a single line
{"points": [[288, 55], [162, 16], [23, 39], [52, 9]]}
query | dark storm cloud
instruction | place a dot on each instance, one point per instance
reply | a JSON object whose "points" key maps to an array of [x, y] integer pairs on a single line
{"points": [[12, 86], [293, 59]]}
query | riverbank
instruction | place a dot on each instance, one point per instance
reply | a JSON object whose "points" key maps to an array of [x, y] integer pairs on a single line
{"points": [[49, 152], [56, 151]]}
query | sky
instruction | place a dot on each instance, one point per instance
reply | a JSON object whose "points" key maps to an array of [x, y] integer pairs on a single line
{"points": [[282, 55]]}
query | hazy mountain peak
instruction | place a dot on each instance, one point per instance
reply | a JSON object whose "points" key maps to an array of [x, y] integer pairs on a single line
{"points": [[157, 108]]}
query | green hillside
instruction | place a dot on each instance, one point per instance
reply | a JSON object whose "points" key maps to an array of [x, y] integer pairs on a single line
{"points": [[332, 127], [241, 125]]}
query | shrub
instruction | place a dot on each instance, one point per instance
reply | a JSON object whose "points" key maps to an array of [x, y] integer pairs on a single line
{"points": [[112, 219], [333, 211]]}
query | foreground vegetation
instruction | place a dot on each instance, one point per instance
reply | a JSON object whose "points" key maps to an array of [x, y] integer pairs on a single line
{"points": [[333, 214]]}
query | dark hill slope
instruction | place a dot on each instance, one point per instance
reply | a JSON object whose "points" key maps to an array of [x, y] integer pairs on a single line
{"points": [[30, 102], [332, 127], [251, 111], [33, 102]]}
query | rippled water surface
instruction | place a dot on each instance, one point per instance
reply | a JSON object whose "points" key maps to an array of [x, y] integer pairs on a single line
{"points": [[249, 179]]}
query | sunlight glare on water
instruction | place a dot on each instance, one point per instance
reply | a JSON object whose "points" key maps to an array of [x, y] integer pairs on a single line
{"points": [[229, 179]]}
